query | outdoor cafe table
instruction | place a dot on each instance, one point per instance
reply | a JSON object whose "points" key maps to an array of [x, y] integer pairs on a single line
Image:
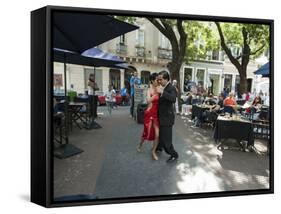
{"points": [[75, 109], [197, 110], [232, 128]]}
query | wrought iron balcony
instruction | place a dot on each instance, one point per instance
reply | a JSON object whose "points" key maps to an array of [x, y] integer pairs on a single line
{"points": [[140, 51], [121, 49], [164, 53]]}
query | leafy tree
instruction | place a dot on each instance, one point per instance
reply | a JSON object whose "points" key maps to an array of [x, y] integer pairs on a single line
{"points": [[174, 31], [253, 39], [201, 40], [189, 40]]}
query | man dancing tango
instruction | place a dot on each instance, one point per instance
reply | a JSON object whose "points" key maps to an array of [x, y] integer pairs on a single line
{"points": [[166, 115]]}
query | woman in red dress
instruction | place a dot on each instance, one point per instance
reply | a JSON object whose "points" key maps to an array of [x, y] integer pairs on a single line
{"points": [[151, 121]]}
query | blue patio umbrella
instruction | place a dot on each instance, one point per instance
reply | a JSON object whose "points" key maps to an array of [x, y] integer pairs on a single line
{"points": [[98, 54], [122, 66], [108, 60], [92, 57], [263, 70], [78, 32], [99, 59]]}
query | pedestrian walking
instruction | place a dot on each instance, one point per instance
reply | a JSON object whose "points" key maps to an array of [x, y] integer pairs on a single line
{"points": [[110, 98]]}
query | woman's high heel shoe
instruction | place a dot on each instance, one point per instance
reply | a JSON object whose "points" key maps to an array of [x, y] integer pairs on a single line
{"points": [[154, 156]]}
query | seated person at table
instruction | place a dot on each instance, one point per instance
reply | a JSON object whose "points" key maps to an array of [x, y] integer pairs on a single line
{"points": [[187, 105], [255, 107], [229, 102], [210, 100], [211, 113], [257, 101], [218, 108]]}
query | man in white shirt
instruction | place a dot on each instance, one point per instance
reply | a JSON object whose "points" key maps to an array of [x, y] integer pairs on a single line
{"points": [[110, 98], [176, 105]]}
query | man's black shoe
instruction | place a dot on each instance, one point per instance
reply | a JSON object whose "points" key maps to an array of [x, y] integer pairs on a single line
{"points": [[159, 150], [172, 159]]}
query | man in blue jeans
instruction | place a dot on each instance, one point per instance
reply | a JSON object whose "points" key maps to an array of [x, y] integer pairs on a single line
{"points": [[133, 81]]}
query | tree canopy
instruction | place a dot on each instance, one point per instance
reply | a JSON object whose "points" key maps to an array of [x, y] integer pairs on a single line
{"points": [[199, 37], [255, 36], [193, 40], [252, 39], [201, 40]]}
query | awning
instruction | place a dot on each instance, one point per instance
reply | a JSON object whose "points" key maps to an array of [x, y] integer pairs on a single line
{"points": [[77, 31], [263, 70]]}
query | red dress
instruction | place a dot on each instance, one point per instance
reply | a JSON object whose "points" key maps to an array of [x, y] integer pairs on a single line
{"points": [[150, 118]]}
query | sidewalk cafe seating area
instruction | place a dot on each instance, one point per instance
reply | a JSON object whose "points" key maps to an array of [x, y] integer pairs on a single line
{"points": [[234, 123]]}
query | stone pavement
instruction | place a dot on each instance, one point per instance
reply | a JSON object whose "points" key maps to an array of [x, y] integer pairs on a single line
{"points": [[111, 167]]}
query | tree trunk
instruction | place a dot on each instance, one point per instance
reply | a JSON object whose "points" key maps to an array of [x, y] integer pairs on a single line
{"points": [[243, 82], [174, 68], [245, 57], [178, 46]]}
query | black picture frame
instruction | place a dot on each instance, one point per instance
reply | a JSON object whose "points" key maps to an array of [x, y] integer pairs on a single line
{"points": [[41, 100]]}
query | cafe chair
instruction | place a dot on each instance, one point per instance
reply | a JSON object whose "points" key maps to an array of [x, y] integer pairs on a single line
{"points": [[264, 115], [211, 119], [261, 130]]}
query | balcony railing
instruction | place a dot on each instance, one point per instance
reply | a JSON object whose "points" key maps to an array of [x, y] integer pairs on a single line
{"points": [[121, 49], [140, 51], [164, 53], [215, 56]]}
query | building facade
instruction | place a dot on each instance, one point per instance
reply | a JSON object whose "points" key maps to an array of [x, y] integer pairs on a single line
{"points": [[148, 51]]}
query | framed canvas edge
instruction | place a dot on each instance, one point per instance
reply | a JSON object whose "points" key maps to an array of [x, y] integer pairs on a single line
{"points": [[49, 162]]}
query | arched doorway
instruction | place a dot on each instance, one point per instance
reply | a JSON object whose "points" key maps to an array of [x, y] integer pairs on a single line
{"points": [[114, 78], [127, 75], [145, 77]]}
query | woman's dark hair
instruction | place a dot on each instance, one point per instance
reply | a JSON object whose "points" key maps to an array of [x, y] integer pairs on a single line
{"points": [[165, 74], [257, 100], [153, 77]]}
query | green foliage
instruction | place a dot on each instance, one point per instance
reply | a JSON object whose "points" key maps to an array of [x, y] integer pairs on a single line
{"points": [[203, 36], [201, 39], [258, 36]]}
